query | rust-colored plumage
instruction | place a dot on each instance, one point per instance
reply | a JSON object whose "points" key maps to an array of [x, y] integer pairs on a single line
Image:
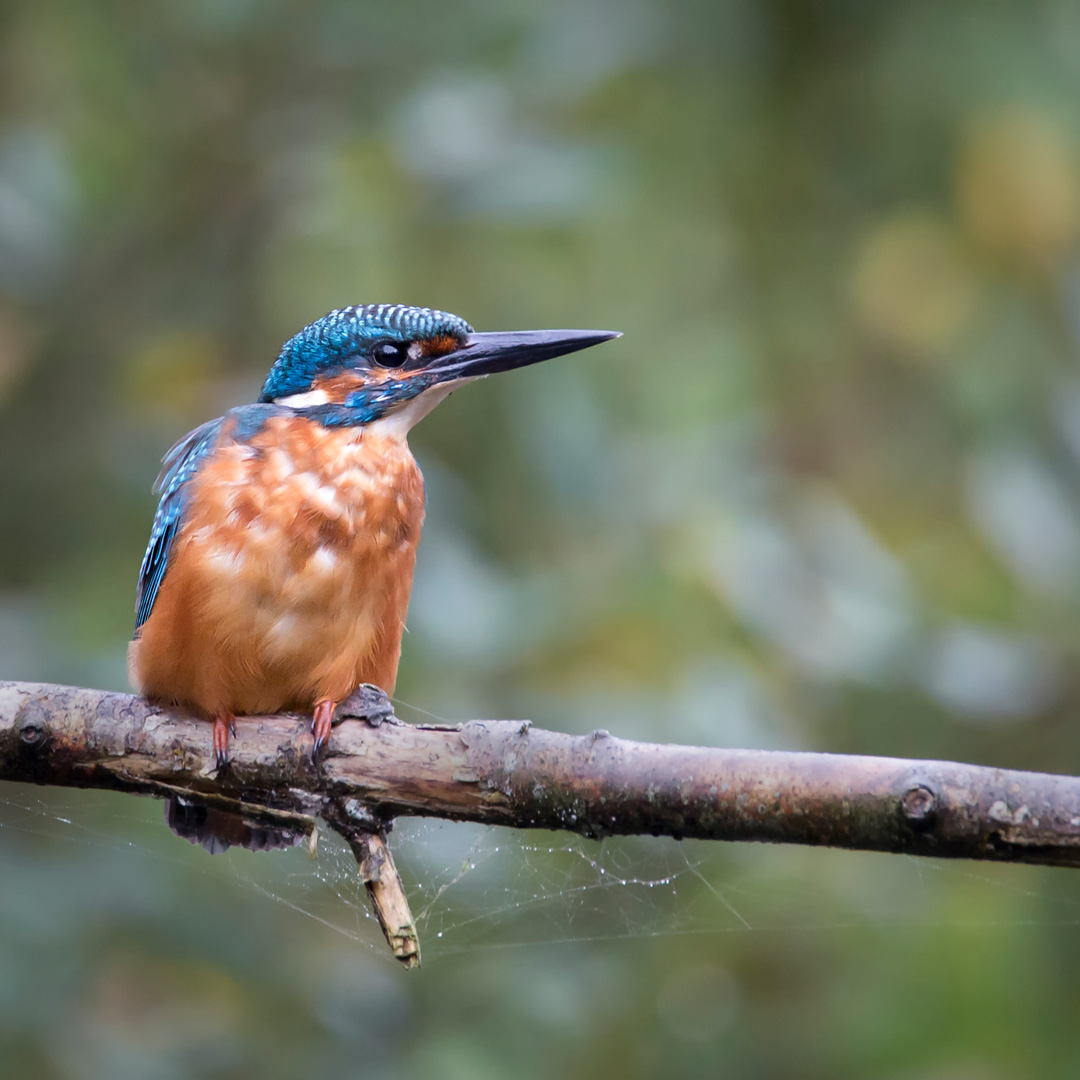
{"points": [[290, 576]]}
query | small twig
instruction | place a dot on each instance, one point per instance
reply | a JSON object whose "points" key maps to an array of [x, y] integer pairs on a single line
{"points": [[366, 836], [258, 812]]}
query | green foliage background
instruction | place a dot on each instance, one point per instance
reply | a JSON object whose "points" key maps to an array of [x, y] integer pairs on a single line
{"points": [[823, 494]]}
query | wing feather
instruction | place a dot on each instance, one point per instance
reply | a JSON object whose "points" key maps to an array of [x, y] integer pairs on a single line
{"points": [[179, 465]]}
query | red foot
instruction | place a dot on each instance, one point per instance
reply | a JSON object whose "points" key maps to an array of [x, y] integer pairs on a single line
{"points": [[223, 725], [320, 724]]}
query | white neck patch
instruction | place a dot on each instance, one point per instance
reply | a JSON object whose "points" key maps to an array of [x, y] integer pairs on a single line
{"points": [[305, 400]]}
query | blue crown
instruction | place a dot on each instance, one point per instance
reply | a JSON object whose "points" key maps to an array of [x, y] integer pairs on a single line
{"points": [[345, 333]]}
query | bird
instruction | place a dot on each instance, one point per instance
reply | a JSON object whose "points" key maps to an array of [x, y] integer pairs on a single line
{"points": [[280, 561]]}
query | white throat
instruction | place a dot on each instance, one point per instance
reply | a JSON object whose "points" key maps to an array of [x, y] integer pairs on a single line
{"points": [[397, 424]]}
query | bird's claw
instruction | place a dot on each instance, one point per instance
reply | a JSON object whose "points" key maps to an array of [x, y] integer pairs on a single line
{"points": [[321, 722], [223, 727]]}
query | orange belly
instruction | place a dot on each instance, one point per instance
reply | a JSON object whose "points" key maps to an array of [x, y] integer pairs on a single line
{"points": [[289, 580]]}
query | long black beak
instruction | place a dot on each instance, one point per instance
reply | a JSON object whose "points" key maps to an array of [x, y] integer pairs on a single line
{"points": [[485, 354]]}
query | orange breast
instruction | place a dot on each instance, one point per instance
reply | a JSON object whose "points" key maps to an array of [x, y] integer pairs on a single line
{"points": [[290, 578]]}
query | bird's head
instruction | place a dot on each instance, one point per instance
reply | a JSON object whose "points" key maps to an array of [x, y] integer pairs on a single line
{"points": [[376, 361]]}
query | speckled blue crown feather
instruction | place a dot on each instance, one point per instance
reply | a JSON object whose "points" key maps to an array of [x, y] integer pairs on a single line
{"points": [[347, 332]]}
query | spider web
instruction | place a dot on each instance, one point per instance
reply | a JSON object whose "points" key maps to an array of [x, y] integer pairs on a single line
{"points": [[475, 887]]}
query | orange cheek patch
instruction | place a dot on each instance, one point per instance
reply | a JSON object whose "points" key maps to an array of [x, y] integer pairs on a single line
{"points": [[338, 387], [439, 346]]}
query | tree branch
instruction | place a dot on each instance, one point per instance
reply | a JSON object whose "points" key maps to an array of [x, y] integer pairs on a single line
{"points": [[503, 772]]}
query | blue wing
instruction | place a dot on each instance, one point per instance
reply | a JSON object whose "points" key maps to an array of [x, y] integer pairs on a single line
{"points": [[178, 466]]}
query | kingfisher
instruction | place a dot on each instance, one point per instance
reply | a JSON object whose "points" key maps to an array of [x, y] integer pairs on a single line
{"points": [[280, 562]]}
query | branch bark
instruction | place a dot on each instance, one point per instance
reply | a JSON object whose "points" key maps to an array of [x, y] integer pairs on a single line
{"points": [[503, 772]]}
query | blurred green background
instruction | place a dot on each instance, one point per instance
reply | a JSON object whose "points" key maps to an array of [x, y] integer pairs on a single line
{"points": [[824, 494]]}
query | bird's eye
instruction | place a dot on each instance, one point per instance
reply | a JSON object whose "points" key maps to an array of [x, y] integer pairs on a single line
{"points": [[389, 354]]}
